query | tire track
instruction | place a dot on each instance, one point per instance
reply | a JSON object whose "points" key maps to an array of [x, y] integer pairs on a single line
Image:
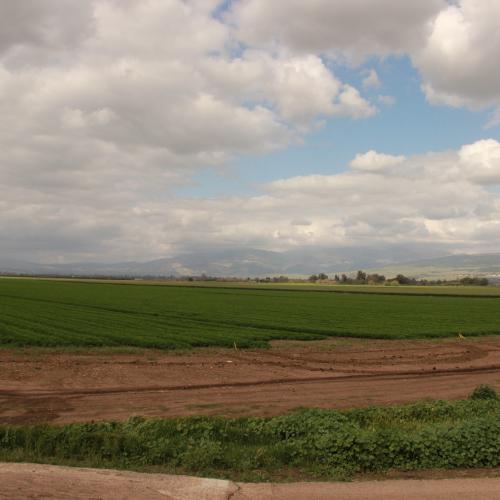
{"points": [[372, 376]]}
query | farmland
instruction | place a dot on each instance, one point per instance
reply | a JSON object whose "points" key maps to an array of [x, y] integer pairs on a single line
{"points": [[66, 313], [79, 358]]}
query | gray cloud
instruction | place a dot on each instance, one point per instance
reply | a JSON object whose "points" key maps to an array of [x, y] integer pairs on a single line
{"points": [[349, 28], [35, 31]]}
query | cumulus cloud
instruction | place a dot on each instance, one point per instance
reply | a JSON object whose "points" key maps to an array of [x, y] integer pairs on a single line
{"points": [[456, 61], [300, 88], [156, 74], [349, 28], [373, 161], [434, 199], [481, 161], [32, 26], [453, 45]]}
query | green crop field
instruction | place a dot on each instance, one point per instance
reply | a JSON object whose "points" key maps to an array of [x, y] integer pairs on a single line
{"points": [[69, 313]]}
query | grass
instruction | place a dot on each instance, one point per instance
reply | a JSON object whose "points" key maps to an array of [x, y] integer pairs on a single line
{"points": [[88, 314], [307, 443]]}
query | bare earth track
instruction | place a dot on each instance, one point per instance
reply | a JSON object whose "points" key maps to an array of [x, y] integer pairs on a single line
{"points": [[22, 481], [37, 385]]}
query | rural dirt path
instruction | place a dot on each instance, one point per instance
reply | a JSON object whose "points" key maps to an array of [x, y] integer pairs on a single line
{"points": [[39, 385], [31, 481]]}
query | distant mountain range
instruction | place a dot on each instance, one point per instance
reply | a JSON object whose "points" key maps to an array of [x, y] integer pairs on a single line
{"points": [[300, 262]]}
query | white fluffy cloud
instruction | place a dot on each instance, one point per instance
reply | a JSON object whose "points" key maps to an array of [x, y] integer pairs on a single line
{"points": [[155, 74], [373, 161], [481, 161], [299, 88], [458, 60], [433, 199]]}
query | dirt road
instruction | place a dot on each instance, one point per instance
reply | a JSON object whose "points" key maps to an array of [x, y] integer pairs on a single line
{"points": [[38, 385], [23, 481]]}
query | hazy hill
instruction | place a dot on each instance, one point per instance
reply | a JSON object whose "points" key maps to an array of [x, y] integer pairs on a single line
{"points": [[241, 262], [298, 262], [449, 267]]}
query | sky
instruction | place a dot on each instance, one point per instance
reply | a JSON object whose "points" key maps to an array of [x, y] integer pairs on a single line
{"points": [[141, 129]]}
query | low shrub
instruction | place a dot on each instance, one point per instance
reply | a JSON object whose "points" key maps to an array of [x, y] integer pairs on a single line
{"points": [[483, 392]]}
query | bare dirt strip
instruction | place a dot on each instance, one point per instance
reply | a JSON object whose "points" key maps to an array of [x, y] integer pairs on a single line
{"points": [[22, 481], [42, 386]]}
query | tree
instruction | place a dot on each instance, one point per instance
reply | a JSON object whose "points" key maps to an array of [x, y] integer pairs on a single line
{"points": [[322, 276], [403, 280], [361, 276], [375, 278], [468, 280]]}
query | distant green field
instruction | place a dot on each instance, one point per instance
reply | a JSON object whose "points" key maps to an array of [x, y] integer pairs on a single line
{"points": [[462, 290], [71, 313], [452, 290]]}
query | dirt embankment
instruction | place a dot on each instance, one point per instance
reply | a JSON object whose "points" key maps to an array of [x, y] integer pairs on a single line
{"points": [[40, 386]]}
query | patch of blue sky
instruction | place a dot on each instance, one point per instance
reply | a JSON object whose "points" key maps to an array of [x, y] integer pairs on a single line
{"points": [[221, 8]]}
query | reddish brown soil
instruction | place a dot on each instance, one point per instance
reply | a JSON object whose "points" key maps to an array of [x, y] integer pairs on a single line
{"points": [[43, 386]]}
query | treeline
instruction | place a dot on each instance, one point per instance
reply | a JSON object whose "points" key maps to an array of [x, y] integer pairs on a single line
{"points": [[363, 278]]}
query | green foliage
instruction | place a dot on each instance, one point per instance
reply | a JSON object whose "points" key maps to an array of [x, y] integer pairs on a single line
{"points": [[328, 442], [63, 313], [483, 391]]}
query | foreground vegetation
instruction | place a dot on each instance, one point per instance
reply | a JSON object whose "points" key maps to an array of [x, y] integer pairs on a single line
{"points": [[311, 443], [65, 313]]}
